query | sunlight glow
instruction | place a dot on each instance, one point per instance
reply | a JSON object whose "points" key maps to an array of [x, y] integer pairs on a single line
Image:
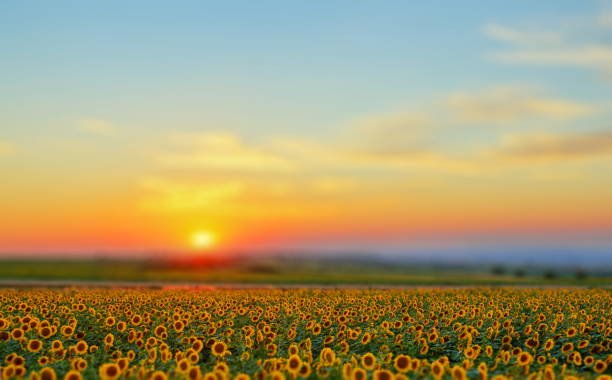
{"points": [[202, 239]]}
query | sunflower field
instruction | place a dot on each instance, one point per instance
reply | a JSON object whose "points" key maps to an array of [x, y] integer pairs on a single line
{"points": [[278, 334]]}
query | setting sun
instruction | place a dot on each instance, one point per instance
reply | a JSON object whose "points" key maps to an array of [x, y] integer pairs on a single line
{"points": [[202, 239]]}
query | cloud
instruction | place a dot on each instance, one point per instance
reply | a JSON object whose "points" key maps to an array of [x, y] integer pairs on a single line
{"points": [[597, 56], [97, 127], [520, 37], [556, 147], [170, 195], [361, 146], [376, 141], [387, 143], [510, 104], [221, 151], [605, 19], [6, 148], [579, 44], [391, 134]]}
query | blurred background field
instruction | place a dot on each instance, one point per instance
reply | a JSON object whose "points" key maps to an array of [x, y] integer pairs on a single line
{"points": [[295, 270]]}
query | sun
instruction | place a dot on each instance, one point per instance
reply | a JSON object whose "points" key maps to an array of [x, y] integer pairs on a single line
{"points": [[202, 239]]}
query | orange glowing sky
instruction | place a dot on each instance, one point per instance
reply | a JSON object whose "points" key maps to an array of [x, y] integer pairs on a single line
{"points": [[368, 124]]}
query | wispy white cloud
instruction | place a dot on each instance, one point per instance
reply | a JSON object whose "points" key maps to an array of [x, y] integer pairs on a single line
{"points": [[514, 103], [221, 151], [340, 162], [582, 43], [521, 37], [398, 133], [598, 56], [605, 18], [556, 147], [172, 195], [97, 127]]}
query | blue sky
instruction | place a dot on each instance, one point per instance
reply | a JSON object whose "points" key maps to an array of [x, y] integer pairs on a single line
{"points": [[287, 65], [493, 116]]}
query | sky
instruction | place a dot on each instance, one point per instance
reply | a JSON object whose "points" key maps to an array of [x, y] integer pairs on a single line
{"points": [[328, 125]]}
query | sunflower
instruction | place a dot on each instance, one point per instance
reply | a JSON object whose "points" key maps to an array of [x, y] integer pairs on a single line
{"points": [[122, 363], [589, 360], [305, 370], [81, 347], [57, 345], [73, 375], [567, 347], [347, 368], [219, 349], [8, 371], [437, 370], [242, 376], [532, 343], [17, 360], [383, 374], [272, 349], [549, 344], [294, 363], [328, 356], [197, 345], [182, 366], [424, 349], [549, 373], [194, 373], [222, 367], [17, 334], [20, 371], [366, 338], [66, 331], [47, 373], [368, 361], [470, 352], [600, 366], [159, 375], [34, 345], [524, 358], [277, 375], [577, 359], [45, 332], [109, 371], [293, 349], [136, 320], [43, 360], [359, 374], [458, 373], [109, 339], [541, 359], [210, 376], [109, 321], [402, 363]]}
